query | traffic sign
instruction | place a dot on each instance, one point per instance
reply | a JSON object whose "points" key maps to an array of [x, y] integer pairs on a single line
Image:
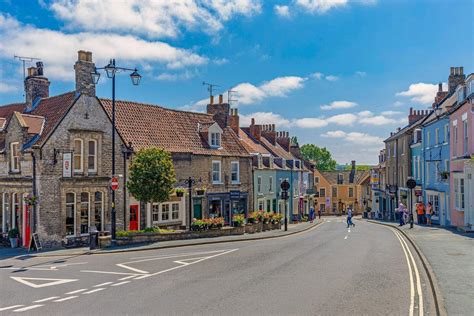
{"points": [[285, 185], [411, 184], [114, 184]]}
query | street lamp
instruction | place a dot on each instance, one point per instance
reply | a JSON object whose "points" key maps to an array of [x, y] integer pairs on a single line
{"points": [[438, 111], [190, 182], [111, 69]]}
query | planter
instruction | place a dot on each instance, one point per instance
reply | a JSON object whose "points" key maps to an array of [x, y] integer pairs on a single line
{"points": [[200, 192], [179, 194], [14, 242], [267, 226]]}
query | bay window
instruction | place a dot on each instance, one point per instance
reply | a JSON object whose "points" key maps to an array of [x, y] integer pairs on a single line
{"points": [[155, 212], [165, 212], [175, 211]]}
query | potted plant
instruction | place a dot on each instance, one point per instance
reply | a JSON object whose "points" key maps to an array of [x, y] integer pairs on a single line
{"points": [[444, 175], [13, 235], [201, 190], [238, 220], [31, 199], [179, 192]]}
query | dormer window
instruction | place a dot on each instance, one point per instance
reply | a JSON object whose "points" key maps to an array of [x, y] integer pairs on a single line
{"points": [[215, 139], [15, 157], [340, 178]]}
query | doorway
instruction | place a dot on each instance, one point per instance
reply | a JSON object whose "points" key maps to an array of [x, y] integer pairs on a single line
{"points": [[197, 209], [134, 216], [26, 225]]}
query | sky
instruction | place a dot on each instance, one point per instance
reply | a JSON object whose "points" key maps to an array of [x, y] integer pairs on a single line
{"points": [[340, 74]]}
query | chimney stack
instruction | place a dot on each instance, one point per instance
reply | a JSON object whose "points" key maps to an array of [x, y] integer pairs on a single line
{"points": [[36, 86], [283, 140], [234, 120], [83, 69], [255, 130], [455, 78], [269, 133], [415, 115], [220, 111]]}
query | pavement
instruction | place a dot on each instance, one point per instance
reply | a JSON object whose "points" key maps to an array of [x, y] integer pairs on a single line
{"points": [[450, 255], [327, 269], [292, 229]]}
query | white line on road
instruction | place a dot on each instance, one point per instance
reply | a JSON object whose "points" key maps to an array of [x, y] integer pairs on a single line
{"points": [[126, 278], [106, 283], [10, 307], [93, 291], [412, 286], [143, 276], [65, 299], [118, 284], [27, 308], [111, 272], [345, 237], [177, 255], [130, 268], [46, 299], [76, 291]]}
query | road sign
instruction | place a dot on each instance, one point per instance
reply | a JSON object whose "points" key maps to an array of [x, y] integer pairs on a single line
{"points": [[411, 184], [285, 185], [114, 184]]}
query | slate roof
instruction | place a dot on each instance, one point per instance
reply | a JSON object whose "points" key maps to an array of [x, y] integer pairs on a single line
{"points": [[146, 125], [331, 176], [277, 150], [251, 144]]}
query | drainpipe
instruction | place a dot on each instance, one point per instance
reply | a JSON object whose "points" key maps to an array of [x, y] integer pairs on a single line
{"points": [[34, 190]]}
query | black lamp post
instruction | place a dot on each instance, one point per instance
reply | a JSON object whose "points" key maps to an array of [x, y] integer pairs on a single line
{"points": [[127, 151], [190, 182], [111, 70]]}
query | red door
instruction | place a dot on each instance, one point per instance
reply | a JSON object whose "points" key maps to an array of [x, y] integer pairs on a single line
{"points": [[134, 215], [26, 221]]}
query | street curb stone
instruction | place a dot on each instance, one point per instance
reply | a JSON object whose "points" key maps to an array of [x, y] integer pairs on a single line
{"points": [[100, 252], [438, 297]]}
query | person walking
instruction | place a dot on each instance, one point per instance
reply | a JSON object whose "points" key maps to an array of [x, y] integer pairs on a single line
{"points": [[349, 218], [401, 213], [429, 213], [311, 214], [319, 213], [420, 211]]}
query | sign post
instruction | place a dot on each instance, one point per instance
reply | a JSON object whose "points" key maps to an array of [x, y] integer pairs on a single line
{"points": [[285, 185], [411, 184]]}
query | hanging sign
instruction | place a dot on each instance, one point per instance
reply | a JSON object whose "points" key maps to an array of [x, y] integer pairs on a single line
{"points": [[67, 165]]}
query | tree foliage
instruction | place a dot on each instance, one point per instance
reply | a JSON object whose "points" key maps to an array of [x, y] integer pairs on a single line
{"points": [[321, 156], [359, 167], [152, 175]]}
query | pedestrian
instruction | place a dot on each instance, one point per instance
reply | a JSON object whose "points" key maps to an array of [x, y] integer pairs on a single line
{"points": [[429, 213], [420, 211], [319, 213], [349, 218], [311, 214], [401, 212]]}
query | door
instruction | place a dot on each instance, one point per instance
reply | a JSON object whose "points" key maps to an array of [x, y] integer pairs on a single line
{"points": [[26, 225], [197, 209], [134, 216]]}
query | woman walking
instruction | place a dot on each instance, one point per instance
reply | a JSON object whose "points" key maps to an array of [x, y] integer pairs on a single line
{"points": [[429, 213]]}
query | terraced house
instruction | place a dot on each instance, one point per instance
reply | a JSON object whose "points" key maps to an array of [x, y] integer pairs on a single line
{"points": [[59, 148]]}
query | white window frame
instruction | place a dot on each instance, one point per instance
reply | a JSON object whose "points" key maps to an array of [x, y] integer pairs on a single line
{"points": [[259, 184], [217, 162], [74, 204], [13, 209], [436, 136], [15, 159], [216, 139], [94, 169], [155, 210], [235, 172], [163, 212], [102, 219], [173, 211], [465, 138], [428, 169], [428, 136], [5, 209], [270, 184], [446, 133], [88, 212], [81, 155]]}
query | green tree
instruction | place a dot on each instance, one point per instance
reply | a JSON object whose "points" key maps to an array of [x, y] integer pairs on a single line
{"points": [[359, 167], [321, 156], [152, 175]]}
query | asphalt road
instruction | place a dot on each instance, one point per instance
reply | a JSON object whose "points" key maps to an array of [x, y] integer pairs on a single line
{"points": [[328, 270]]}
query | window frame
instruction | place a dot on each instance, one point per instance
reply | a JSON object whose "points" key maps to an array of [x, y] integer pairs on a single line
{"points": [[465, 137], [237, 172], [14, 158], [74, 206], [155, 211], [94, 170], [88, 212], [173, 211], [219, 172], [216, 139], [259, 184], [101, 210], [350, 192], [270, 184], [80, 155], [322, 192]]}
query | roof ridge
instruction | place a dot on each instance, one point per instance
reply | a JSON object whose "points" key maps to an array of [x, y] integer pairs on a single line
{"points": [[31, 115], [158, 106], [58, 95]]}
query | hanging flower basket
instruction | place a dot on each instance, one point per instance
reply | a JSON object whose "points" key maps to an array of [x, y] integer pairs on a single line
{"points": [[179, 192], [31, 199]]}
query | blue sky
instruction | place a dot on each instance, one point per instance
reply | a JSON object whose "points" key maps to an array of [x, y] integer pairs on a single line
{"points": [[337, 73]]}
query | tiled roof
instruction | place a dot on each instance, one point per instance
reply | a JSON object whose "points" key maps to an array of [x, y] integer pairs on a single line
{"points": [[6, 111], [331, 176], [250, 144], [277, 150], [3, 122], [146, 125], [53, 109]]}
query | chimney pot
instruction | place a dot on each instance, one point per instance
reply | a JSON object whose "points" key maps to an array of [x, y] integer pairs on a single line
{"points": [[440, 87], [221, 99], [252, 121], [211, 100]]}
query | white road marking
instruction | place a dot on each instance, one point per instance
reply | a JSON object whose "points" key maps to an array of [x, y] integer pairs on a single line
{"points": [[126, 278], [111, 272], [27, 308], [130, 268], [143, 276], [46, 299], [418, 279], [93, 291], [76, 291], [329, 221], [177, 255], [118, 284], [345, 237], [65, 299], [37, 286], [412, 286], [10, 307], [106, 283]]}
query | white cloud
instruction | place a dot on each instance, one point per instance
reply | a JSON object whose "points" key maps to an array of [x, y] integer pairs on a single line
{"points": [[264, 118], [166, 76], [220, 61], [338, 105], [320, 6], [398, 103], [58, 50], [282, 10], [343, 119], [423, 93], [310, 122], [355, 137], [317, 75], [361, 73], [7, 87], [391, 113], [151, 18], [332, 78]]}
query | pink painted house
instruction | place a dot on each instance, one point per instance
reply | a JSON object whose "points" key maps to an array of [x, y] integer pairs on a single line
{"points": [[462, 156]]}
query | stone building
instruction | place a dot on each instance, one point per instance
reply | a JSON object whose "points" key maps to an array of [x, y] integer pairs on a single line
{"points": [[323, 194]]}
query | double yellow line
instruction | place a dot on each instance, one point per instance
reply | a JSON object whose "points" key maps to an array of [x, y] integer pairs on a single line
{"points": [[411, 267]]}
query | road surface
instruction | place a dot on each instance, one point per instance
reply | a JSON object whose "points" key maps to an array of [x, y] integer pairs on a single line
{"points": [[328, 270]]}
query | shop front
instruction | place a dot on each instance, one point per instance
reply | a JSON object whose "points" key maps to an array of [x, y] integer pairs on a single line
{"points": [[227, 204]]}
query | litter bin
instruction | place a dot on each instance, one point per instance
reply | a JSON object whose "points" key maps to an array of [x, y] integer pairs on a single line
{"points": [[93, 238], [366, 215]]}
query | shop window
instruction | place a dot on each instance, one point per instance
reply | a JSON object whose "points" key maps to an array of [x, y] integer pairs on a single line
{"points": [[15, 157], [155, 212], [235, 172], [165, 212], [99, 210], [78, 149], [215, 209], [84, 221], [274, 205], [334, 207], [92, 157], [216, 172], [269, 205], [16, 211], [175, 211], [70, 214]]}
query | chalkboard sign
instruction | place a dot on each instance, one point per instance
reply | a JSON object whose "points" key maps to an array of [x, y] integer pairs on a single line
{"points": [[35, 243]]}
